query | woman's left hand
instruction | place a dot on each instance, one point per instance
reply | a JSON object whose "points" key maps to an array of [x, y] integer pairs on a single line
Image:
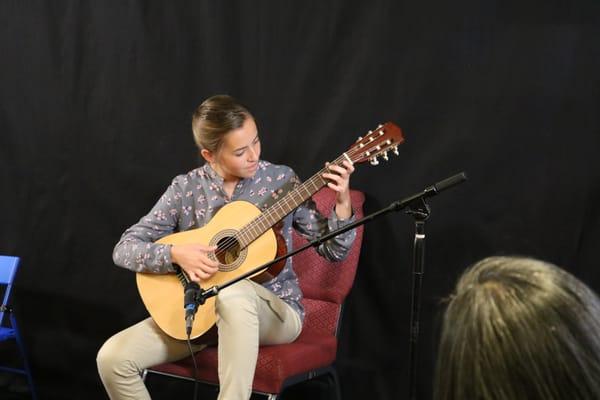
{"points": [[339, 181]]}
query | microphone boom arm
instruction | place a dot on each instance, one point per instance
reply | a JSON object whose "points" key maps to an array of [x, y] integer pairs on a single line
{"points": [[395, 206]]}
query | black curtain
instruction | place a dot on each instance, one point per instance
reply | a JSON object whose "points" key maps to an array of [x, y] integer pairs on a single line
{"points": [[95, 110]]}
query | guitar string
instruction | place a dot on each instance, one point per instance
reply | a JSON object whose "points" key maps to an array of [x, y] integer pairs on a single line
{"points": [[248, 229], [252, 225]]}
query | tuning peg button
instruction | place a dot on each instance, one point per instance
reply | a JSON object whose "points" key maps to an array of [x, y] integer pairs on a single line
{"points": [[395, 150], [374, 161], [385, 156]]}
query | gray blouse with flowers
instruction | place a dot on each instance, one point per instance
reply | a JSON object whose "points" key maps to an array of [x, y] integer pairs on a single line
{"points": [[191, 201]]}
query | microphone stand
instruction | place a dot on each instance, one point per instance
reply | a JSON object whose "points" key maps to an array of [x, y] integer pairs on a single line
{"points": [[420, 211], [417, 207]]}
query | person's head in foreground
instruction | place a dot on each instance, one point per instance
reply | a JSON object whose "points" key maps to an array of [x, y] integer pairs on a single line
{"points": [[519, 328]]}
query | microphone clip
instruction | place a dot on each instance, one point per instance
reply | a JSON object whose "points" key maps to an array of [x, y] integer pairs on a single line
{"points": [[193, 297]]}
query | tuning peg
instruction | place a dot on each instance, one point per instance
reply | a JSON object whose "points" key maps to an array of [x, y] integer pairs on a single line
{"points": [[359, 139], [395, 150], [385, 156], [374, 161]]}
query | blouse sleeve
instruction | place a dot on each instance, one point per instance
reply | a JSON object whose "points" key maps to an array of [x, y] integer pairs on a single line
{"points": [[136, 249], [310, 223]]}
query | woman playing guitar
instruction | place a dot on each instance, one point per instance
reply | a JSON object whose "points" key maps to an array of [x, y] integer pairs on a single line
{"points": [[248, 313]]}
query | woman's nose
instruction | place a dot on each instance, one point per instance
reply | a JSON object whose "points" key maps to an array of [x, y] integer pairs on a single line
{"points": [[252, 154]]}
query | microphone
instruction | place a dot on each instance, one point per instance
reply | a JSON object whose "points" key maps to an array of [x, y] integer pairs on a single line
{"points": [[429, 191], [449, 182], [445, 184], [190, 303]]}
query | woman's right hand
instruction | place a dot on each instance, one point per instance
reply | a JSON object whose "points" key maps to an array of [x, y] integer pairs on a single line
{"points": [[194, 260]]}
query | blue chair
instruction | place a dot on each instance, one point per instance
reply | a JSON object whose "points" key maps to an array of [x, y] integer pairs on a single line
{"points": [[8, 270]]}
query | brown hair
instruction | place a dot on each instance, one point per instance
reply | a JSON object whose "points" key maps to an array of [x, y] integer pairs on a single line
{"points": [[214, 118], [519, 328]]}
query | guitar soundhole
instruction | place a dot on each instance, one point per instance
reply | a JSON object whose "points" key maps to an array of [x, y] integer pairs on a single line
{"points": [[228, 250], [228, 253]]}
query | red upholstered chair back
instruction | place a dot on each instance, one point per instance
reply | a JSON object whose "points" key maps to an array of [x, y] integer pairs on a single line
{"points": [[325, 284]]}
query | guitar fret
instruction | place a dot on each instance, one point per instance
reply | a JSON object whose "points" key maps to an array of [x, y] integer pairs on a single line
{"points": [[247, 240], [276, 212], [267, 219], [284, 202], [248, 234], [291, 201], [262, 226], [240, 238], [255, 231], [314, 185], [252, 233]]}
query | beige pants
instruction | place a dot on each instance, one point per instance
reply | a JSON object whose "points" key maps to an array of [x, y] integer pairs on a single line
{"points": [[247, 315]]}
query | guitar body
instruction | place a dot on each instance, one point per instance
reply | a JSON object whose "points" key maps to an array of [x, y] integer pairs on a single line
{"points": [[162, 294]]}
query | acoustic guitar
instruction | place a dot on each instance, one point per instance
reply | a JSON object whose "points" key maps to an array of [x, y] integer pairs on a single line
{"points": [[244, 238]]}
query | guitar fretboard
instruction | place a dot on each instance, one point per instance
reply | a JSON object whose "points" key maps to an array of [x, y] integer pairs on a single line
{"points": [[283, 207], [386, 137]]}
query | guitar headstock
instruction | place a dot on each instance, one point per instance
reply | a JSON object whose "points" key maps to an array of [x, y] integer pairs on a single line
{"points": [[376, 143]]}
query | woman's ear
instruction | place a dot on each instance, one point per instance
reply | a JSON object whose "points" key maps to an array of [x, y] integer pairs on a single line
{"points": [[207, 155]]}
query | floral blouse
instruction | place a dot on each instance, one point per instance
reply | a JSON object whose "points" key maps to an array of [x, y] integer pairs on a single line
{"points": [[191, 201]]}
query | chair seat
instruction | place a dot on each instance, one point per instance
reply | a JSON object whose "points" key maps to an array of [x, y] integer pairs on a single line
{"points": [[274, 365], [7, 333]]}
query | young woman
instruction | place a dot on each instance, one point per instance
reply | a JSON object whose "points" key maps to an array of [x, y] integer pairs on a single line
{"points": [[248, 313], [519, 328]]}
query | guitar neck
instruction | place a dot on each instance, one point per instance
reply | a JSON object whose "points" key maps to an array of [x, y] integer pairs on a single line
{"points": [[283, 207], [376, 143]]}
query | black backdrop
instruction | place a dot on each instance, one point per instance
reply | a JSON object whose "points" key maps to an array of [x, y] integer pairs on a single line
{"points": [[95, 105]]}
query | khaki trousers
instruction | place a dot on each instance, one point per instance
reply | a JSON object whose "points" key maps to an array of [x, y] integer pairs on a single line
{"points": [[247, 315]]}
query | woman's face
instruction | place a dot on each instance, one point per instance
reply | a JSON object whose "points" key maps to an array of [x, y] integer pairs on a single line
{"points": [[239, 153]]}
